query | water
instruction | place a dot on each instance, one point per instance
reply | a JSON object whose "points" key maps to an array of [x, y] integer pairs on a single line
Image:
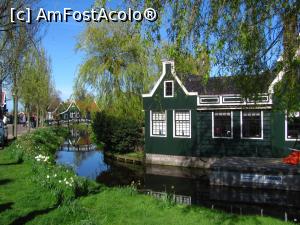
{"points": [[189, 185]]}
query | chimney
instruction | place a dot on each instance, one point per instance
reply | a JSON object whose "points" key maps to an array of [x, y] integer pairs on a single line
{"points": [[168, 66]]}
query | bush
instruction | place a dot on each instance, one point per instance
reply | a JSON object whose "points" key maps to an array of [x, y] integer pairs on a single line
{"points": [[39, 148], [117, 134]]}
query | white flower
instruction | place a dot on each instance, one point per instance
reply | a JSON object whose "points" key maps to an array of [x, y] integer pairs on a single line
{"points": [[48, 176], [59, 181], [55, 175]]}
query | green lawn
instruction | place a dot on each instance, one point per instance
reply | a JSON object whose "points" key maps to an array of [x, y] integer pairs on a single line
{"points": [[22, 200]]}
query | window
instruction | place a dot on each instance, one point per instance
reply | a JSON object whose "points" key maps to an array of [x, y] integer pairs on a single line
{"points": [[293, 127], [66, 116], [182, 123], [233, 99], [158, 124], [169, 89], [212, 100], [252, 124], [222, 124]]}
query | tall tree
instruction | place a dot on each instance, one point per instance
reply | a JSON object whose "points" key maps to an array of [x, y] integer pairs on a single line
{"points": [[15, 39], [242, 37], [117, 65], [35, 85]]}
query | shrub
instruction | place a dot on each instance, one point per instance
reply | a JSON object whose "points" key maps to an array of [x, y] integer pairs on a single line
{"points": [[39, 148], [118, 134]]}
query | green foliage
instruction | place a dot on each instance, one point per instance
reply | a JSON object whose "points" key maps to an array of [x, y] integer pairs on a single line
{"points": [[240, 38], [117, 65], [116, 133], [187, 62], [35, 87], [39, 148]]}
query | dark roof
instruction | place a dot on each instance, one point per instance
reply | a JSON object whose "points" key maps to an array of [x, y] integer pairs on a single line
{"points": [[226, 84]]}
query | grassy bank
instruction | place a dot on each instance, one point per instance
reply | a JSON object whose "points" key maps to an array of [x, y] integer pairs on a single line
{"points": [[137, 155], [31, 193]]}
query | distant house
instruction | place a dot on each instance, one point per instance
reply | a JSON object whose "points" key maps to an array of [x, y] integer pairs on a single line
{"points": [[188, 119], [78, 110], [54, 110]]}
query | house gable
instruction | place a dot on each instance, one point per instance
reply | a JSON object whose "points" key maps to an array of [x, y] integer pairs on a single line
{"points": [[181, 98], [168, 69]]}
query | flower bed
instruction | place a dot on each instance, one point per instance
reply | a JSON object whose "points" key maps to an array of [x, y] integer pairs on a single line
{"points": [[39, 149]]}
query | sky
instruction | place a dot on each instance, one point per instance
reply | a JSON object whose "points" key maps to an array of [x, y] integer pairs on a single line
{"points": [[59, 40]]}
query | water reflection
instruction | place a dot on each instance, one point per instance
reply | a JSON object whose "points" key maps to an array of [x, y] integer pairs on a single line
{"points": [[192, 183]]}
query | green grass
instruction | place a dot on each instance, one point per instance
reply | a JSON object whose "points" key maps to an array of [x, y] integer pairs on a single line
{"points": [[136, 154], [19, 194], [24, 200]]}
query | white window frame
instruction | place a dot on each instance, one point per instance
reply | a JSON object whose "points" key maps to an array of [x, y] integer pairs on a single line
{"points": [[165, 94], [174, 125], [286, 130], [262, 126], [166, 120], [213, 126]]}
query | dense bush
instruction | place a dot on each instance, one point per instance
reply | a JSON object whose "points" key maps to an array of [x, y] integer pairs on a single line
{"points": [[117, 134], [39, 148]]}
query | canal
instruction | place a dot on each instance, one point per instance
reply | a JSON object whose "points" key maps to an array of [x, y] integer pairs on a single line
{"points": [[189, 186]]}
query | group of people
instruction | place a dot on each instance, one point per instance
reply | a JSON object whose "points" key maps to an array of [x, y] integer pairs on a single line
{"points": [[22, 119]]}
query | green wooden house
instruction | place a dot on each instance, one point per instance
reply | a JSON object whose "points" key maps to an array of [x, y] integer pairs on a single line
{"points": [[78, 110], [190, 122], [72, 112]]}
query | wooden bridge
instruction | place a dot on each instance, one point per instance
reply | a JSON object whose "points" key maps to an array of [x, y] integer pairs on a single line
{"points": [[77, 148], [67, 122]]}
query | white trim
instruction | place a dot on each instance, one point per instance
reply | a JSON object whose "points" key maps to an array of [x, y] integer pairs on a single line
{"points": [[213, 126], [232, 108], [275, 81], [174, 125], [70, 107], [245, 102], [165, 94], [216, 97], [162, 77], [286, 130], [281, 73], [166, 119], [261, 128]]}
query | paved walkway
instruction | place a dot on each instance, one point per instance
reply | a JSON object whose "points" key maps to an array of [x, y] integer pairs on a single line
{"points": [[255, 164], [20, 130]]}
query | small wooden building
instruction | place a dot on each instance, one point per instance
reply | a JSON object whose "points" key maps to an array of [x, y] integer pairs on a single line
{"points": [[191, 119], [78, 110]]}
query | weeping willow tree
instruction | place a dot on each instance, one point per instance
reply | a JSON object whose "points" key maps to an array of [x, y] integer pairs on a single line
{"points": [[117, 66], [241, 37]]}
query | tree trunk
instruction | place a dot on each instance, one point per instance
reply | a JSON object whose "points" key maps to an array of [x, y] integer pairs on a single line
{"points": [[15, 109], [290, 33], [37, 116], [42, 119], [28, 120]]}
